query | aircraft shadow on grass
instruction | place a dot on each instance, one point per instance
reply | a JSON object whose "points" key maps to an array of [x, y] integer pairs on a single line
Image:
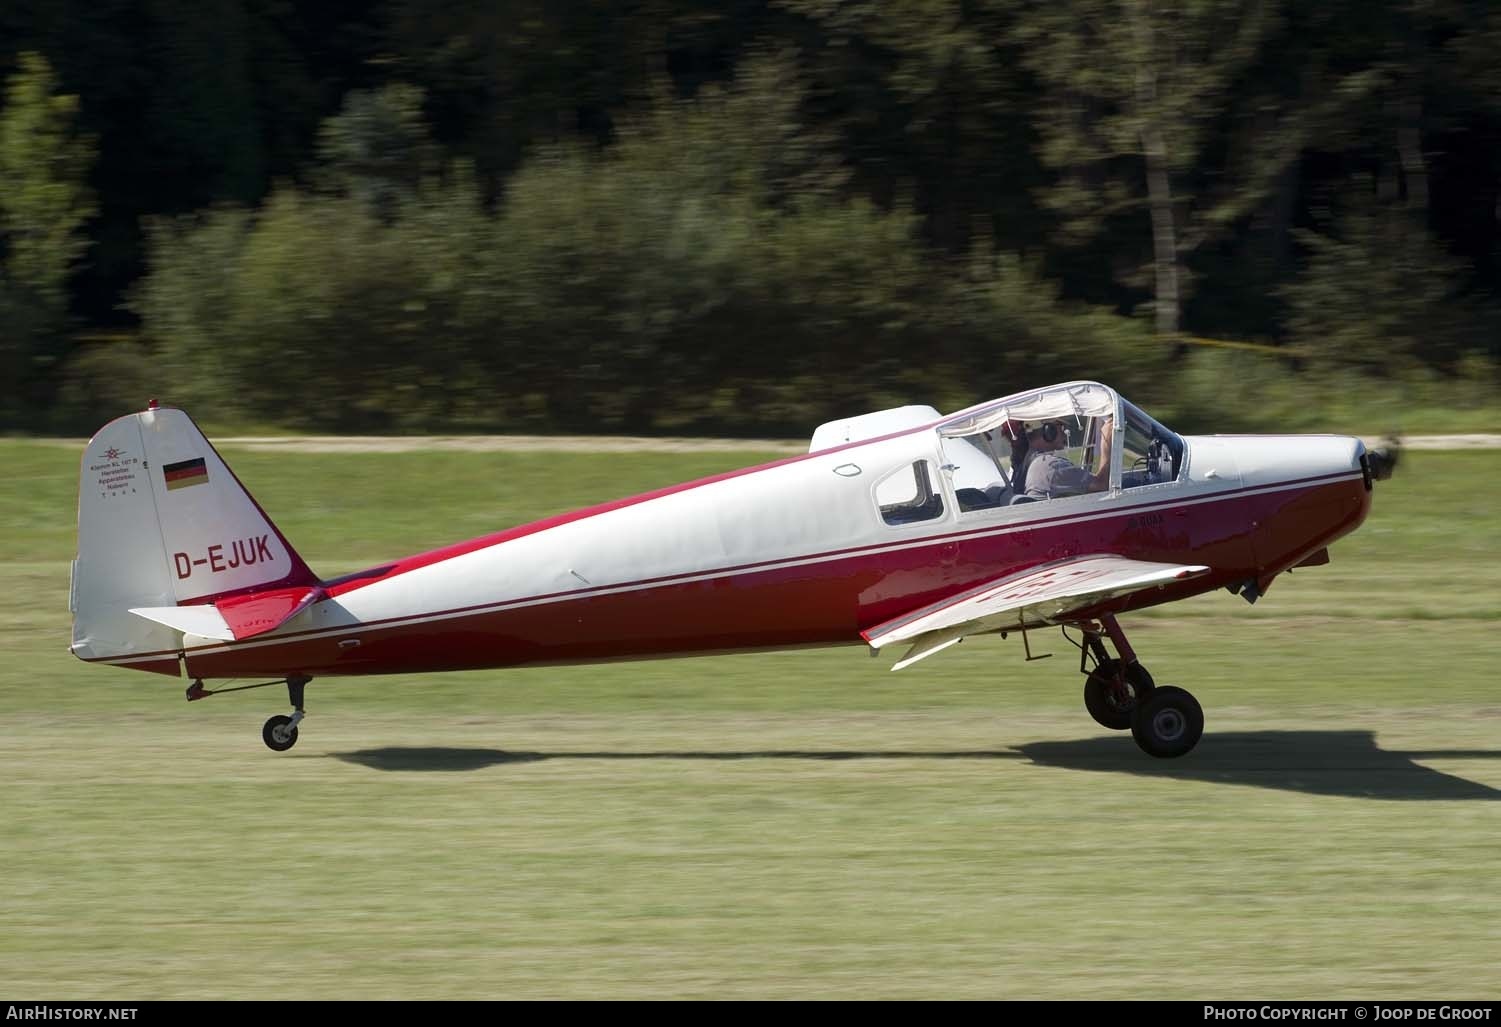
{"points": [[1347, 763]]}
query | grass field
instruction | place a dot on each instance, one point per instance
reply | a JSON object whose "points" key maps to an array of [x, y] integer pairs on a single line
{"points": [[785, 825]]}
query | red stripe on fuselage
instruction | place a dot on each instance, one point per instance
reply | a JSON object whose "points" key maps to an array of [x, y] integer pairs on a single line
{"points": [[349, 582], [157, 663]]}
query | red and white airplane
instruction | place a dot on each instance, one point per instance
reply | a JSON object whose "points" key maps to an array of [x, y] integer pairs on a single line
{"points": [[902, 527]]}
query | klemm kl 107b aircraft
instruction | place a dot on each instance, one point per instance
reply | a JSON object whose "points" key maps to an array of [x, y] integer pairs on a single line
{"points": [[1065, 506]]}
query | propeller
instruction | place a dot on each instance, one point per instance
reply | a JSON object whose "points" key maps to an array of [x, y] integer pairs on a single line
{"points": [[1383, 459]]}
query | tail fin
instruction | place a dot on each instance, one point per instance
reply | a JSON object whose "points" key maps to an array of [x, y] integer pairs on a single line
{"points": [[163, 522]]}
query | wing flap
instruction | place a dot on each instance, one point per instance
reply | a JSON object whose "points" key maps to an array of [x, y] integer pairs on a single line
{"points": [[927, 645], [1045, 593]]}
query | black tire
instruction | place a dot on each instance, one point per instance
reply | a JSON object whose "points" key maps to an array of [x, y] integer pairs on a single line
{"points": [[1102, 702], [1169, 724], [277, 735]]}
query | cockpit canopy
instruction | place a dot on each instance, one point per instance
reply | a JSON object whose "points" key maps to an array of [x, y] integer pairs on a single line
{"points": [[1065, 440], [1076, 401]]}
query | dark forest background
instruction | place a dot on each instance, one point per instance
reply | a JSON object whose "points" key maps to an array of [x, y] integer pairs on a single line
{"points": [[744, 216]]}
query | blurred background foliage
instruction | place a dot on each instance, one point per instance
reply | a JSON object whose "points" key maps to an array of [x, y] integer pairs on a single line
{"points": [[746, 216]]}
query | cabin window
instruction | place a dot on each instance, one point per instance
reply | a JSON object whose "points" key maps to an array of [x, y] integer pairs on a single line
{"points": [[907, 496], [979, 466], [1062, 457]]}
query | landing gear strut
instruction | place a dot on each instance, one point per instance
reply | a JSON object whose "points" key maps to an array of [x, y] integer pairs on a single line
{"points": [[1113, 691], [1120, 694], [280, 732]]}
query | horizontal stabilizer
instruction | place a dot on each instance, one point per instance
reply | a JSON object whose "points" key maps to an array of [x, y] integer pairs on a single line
{"points": [[236, 618], [1043, 594], [190, 620], [260, 612]]}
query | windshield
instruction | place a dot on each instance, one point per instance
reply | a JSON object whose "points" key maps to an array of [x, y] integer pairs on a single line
{"points": [[1151, 453]]}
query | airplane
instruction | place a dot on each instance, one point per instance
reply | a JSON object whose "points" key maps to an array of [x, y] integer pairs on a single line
{"points": [[903, 527]]}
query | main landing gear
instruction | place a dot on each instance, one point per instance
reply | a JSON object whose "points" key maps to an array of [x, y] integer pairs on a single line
{"points": [[1164, 720], [280, 732]]}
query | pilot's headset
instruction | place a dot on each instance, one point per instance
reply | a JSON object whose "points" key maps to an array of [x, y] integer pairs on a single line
{"points": [[1050, 431]]}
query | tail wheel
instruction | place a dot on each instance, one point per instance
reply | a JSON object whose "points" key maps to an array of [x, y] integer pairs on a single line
{"points": [[1110, 701], [279, 733], [1169, 723]]}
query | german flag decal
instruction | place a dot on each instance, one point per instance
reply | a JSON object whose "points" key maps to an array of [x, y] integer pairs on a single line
{"points": [[188, 472]]}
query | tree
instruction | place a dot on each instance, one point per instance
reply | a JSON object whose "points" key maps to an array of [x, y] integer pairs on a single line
{"points": [[502, 78], [1151, 105], [928, 103], [44, 163], [377, 148], [1380, 295]]}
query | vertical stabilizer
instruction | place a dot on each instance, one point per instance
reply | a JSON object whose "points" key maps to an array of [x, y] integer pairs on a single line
{"points": [[162, 521]]}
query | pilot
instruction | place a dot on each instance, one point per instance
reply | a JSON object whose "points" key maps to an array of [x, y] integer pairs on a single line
{"points": [[1049, 474], [1015, 433]]}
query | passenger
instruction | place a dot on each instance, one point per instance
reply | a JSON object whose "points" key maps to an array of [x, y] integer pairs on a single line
{"points": [[1048, 474]]}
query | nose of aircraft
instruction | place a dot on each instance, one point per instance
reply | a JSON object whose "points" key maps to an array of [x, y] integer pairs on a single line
{"points": [[1273, 459], [1306, 491]]}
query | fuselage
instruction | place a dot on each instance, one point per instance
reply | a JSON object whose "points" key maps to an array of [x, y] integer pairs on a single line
{"points": [[798, 553]]}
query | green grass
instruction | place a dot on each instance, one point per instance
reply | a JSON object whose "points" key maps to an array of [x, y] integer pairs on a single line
{"points": [[789, 824]]}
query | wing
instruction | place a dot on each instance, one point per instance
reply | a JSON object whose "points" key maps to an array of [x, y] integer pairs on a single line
{"points": [[1046, 593]]}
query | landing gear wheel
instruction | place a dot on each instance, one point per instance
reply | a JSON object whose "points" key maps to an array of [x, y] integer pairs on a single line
{"points": [[279, 733], [1168, 724], [1108, 702]]}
